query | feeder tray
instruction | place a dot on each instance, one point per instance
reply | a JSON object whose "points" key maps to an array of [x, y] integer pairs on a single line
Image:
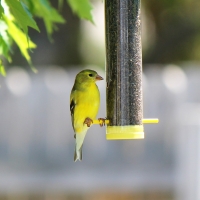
{"points": [[126, 132]]}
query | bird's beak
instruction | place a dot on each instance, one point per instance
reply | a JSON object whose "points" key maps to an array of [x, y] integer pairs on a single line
{"points": [[98, 78]]}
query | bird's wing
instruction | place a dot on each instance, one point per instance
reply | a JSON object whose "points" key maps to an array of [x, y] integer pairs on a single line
{"points": [[72, 108]]}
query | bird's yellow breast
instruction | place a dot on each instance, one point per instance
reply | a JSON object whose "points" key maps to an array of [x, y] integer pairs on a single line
{"points": [[87, 105]]}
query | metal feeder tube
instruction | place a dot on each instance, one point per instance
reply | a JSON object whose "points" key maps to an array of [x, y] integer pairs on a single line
{"points": [[123, 69]]}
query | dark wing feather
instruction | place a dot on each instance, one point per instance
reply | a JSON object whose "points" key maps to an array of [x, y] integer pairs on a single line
{"points": [[72, 107]]}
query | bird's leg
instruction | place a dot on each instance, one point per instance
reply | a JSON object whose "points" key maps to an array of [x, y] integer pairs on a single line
{"points": [[102, 121], [88, 121]]}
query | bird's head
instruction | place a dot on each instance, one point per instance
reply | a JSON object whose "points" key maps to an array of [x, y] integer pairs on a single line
{"points": [[88, 76]]}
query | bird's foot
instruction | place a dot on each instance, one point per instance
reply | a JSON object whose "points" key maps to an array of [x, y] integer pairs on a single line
{"points": [[88, 121], [102, 121]]}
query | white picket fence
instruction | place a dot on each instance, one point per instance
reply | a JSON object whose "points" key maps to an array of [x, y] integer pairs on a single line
{"points": [[37, 144]]}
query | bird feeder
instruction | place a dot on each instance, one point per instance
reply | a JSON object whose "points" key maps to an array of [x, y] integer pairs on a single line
{"points": [[124, 70]]}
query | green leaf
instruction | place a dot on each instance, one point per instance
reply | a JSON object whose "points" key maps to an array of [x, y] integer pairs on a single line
{"points": [[82, 8], [2, 69], [22, 15], [5, 41], [20, 39], [1, 10], [5, 49], [43, 9]]}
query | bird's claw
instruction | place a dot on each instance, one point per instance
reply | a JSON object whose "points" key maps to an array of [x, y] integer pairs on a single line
{"points": [[102, 121], [88, 121]]}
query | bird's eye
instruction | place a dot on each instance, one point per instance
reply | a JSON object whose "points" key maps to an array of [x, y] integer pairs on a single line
{"points": [[90, 75]]}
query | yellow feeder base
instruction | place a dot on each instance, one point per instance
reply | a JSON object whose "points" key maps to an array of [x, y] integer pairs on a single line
{"points": [[124, 132]]}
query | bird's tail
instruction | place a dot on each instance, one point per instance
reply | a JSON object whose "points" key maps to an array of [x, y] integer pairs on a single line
{"points": [[78, 154], [79, 144]]}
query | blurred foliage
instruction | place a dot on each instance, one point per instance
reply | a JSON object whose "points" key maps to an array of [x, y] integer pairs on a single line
{"points": [[82, 8], [177, 30], [16, 16], [172, 30]]}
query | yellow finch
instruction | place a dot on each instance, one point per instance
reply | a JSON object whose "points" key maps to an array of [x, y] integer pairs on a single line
{"points": [[84, 106]]}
